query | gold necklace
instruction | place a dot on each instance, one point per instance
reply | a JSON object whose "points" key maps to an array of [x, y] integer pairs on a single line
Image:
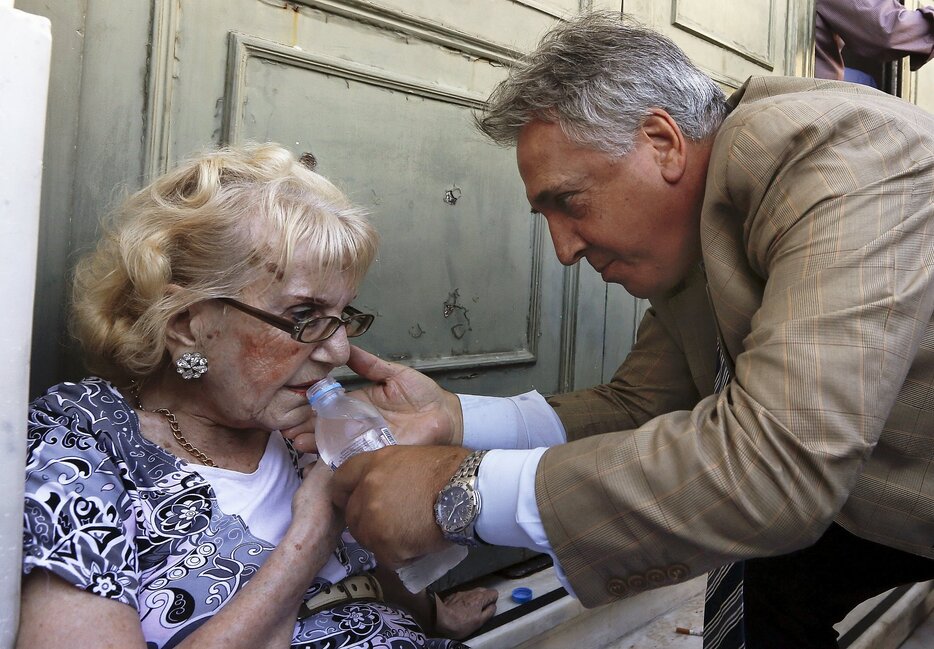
{"points": [[177, 432]]}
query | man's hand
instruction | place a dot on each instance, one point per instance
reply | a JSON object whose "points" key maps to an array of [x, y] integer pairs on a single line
{"points": [[388, 499], [417, 410]]}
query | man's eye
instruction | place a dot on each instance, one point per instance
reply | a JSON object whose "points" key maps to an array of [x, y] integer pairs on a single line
{"points": [[563, 201], [572, 205]]}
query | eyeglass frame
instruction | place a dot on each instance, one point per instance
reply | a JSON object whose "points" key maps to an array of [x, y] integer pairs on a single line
{"points": [[295, 329]]}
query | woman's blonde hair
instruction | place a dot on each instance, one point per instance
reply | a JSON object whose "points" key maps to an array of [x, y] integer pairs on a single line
{"points": [[214, 225]]}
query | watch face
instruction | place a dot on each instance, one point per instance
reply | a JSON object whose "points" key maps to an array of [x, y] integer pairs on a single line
{"points": [[455, 508]]}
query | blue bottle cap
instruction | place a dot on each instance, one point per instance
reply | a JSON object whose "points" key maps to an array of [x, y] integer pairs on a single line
{"points": [[521, 595], [321, 388]]}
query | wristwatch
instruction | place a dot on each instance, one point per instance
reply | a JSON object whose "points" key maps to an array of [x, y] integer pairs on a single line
{"points": [[458, 503]]}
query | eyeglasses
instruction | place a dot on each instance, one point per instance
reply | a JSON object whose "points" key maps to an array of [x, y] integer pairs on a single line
{"points": [[312, 330]]}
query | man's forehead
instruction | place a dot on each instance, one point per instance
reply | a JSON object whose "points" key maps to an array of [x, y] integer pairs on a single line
{"points": [[539, 151], [538, 133]]}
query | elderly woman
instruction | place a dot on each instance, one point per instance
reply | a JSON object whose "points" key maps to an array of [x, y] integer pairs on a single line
{"points": [[165, 505]]}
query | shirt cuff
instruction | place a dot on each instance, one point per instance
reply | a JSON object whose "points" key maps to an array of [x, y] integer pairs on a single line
{"points": [[511, 518], [521, 422]]}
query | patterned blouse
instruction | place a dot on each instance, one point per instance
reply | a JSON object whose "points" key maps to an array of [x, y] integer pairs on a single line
{"points": [[116, 515]]}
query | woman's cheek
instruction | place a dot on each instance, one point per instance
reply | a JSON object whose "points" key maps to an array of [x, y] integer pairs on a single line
{"points": [[267, 359]]}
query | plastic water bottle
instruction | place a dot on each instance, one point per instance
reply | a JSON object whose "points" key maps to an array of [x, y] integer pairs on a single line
{"points": [[345, 425]]}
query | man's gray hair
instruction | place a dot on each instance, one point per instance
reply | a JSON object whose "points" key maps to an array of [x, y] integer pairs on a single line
{"points": [[598, 76]]}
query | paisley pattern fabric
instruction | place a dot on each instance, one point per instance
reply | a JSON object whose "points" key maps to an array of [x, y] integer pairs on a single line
{"points": [[120, 517]]}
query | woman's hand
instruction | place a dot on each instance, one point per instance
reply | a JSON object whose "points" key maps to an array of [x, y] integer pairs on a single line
{"points": [[302, 436], [312, 510], [417, 410], [462, 613]]}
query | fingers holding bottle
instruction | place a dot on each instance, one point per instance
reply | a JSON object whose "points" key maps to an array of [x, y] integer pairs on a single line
{"points": [[388, 498]]}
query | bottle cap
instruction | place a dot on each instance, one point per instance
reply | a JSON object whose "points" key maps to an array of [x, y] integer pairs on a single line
{"points": [[321, 388], [521, 595]]}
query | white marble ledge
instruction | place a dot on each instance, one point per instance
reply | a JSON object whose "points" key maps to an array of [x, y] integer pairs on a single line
{"points": [[565, 623]]}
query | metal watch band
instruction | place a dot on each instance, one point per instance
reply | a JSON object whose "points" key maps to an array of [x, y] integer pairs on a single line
{"points": [[470, 467]]}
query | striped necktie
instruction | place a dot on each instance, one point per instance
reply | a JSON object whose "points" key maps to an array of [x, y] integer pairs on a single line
{"points": [[723, 603]]}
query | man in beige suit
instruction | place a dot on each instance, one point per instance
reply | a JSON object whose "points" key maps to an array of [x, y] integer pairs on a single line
{"points": [[789, 226]]}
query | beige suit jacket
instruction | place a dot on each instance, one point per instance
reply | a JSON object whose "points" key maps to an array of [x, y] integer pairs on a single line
{"points": [[818, 247]]}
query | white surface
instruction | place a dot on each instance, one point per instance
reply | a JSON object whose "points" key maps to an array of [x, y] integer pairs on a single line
{"points": [[25, 53], [923, 636], [661, 632], [899, 622], [564, 623]]}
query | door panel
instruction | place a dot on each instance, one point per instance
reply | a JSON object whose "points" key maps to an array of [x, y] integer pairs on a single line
{"points": [[466, 285], [731, 40], [517, 23], [443, 211]]}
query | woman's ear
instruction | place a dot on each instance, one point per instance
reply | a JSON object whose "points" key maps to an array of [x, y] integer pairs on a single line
{"points": [[668, 142], [178, 329], [181, 332]]}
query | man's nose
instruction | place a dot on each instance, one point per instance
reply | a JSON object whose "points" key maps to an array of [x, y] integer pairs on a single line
{"points": [[569, 247]]}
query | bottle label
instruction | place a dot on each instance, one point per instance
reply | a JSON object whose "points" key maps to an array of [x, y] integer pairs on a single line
{"points": [[371, 440]]}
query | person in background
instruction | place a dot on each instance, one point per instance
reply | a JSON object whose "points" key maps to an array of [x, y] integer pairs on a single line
{"points": [[876, 29], [774, 422], [164, 503]]}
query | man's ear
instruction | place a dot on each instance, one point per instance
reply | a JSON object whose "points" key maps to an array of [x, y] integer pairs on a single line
{"points": [[668, 143]]}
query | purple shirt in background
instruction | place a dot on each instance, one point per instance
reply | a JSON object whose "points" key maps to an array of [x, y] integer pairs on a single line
{"points": [[881, 29]]}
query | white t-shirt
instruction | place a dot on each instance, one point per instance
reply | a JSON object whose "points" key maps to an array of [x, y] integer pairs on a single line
{"points": [[263, 499]]}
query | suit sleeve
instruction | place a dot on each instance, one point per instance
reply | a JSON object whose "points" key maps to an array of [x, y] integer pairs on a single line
{"points": [[654, 379], [819, 213]]}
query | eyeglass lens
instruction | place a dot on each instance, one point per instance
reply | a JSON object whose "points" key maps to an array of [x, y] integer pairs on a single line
{"points": [[322, 328]]}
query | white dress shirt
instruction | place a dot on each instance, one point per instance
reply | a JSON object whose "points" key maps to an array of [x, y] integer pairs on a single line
{"points": [[521, 429]]}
